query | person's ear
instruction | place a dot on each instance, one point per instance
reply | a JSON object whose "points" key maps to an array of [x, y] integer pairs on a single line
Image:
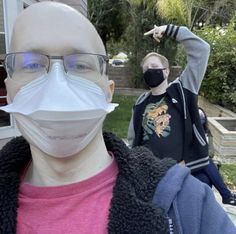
{"points": [[111, 89], [166, 72]]}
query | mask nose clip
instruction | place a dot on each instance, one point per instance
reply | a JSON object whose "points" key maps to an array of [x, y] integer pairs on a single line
{"points": [[57, 71]]}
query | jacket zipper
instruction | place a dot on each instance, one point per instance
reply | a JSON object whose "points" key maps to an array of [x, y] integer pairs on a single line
{"points": [[171, 226], [181, 88]]}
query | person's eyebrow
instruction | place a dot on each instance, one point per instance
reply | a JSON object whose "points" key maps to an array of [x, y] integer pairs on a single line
{"points": [[78, 51], [154, 64], [70, 51], [32, 51]]}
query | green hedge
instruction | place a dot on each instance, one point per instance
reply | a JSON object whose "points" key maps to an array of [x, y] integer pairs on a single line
{"points": [[219, 85]]}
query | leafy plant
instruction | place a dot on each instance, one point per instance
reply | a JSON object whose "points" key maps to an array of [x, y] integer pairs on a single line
{"points": [[109, 17], [219, 85], [194, 13]]}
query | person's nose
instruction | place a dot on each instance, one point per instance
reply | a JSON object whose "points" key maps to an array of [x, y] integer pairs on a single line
{"points": [[57, 71]]}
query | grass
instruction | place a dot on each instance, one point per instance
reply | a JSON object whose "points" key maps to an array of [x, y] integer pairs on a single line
{"points": [[228, 172], [118, 122]]}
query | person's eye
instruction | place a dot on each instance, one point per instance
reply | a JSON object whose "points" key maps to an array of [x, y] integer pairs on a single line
{"points": [[80, 67], [32, 67]]}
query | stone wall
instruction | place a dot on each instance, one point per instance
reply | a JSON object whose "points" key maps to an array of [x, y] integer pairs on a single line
{"points": [[223, 130], [224, 137], [123, 75], [213, 110]]}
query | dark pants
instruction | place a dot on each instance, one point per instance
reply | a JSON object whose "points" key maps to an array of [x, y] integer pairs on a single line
{"points": [[211, 176]]}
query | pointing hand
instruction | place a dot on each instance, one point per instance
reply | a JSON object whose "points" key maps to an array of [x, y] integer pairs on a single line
{"points": [[157, 31]]}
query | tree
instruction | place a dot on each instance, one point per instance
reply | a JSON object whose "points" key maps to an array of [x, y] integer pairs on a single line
{"points": [[109, 17], [193, 12], [181, 12], [221, 12], [142, 20], [143, 16], [219, 83]]}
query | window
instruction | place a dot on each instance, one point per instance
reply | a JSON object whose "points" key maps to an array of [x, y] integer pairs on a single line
{"points": [[9, 9], [4, 117]]}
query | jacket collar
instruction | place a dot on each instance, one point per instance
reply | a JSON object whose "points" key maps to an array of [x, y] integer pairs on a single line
{"points": [[13, 158], [175, 93], [132, 209]]}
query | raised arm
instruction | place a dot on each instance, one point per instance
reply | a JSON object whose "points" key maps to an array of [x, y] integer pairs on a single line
{"points": [[197, 51]]}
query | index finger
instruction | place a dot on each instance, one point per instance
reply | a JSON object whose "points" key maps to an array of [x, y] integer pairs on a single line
{"points": [[149, 32]]}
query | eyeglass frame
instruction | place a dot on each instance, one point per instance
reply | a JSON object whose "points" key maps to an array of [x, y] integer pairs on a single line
{"points": [[61, 57], [163, 68]]}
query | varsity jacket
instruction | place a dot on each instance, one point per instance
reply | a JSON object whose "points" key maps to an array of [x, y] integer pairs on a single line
{"points": [[151, 196], [183, 93]]}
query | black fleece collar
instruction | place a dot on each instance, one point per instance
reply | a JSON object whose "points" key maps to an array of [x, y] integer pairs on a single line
{"points": [[132, 210]]}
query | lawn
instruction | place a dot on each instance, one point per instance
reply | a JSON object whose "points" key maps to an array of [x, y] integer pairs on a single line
{"points": [[228, 171], [118, 122]]}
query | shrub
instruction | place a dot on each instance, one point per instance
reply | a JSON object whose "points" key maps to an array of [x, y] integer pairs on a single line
{"points": [[219, 85]]}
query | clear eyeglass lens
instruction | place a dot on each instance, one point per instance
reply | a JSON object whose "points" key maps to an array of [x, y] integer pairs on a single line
{"points": [[31, 65], [84, 64], [153, 67]]}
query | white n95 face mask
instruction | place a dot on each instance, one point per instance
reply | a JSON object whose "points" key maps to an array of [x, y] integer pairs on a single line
{"points": [[59, 113]]}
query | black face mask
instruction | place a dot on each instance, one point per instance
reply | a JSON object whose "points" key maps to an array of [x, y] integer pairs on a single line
{"points": [[153, 77]]}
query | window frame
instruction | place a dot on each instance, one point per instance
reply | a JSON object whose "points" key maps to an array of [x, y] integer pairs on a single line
{"points": [[11, 9]]}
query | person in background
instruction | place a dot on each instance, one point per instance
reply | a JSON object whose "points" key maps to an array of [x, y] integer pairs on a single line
{"points": [[166, 118], [210, 174], [64, 175]]}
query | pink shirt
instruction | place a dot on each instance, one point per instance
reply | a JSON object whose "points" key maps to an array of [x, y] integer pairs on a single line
{"points": [[81, 207]]}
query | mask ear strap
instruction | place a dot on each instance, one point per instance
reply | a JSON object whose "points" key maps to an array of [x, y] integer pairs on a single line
{"points": [[9, 101]]}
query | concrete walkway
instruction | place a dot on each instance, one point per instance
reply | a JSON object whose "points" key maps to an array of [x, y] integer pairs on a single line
{"points": [[230, 210]]}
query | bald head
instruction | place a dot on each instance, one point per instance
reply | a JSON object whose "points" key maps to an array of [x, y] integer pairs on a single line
{"points": [[54, 28]]}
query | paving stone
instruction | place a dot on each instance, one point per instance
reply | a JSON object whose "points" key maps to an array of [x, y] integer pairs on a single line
{"points": [[230, 210]]}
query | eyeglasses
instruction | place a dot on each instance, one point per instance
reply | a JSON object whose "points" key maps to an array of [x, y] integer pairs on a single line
{"points": [[33, 65], [153, 67]]}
